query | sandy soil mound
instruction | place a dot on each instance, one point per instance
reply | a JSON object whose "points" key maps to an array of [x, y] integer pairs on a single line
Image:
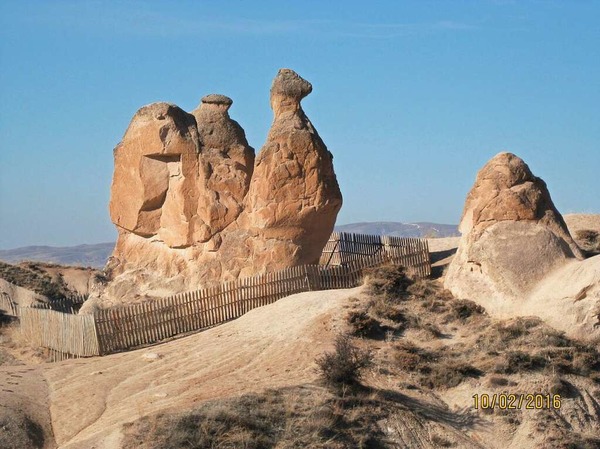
{"points": [[578, 222], [24, 409], [269, 347], [431, 352]]}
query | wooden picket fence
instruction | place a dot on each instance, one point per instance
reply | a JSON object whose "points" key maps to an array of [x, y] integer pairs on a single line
{"points": [[136, 325], [69, 304], [412, 253], [7, 306], [60, 332], [121, 328]]}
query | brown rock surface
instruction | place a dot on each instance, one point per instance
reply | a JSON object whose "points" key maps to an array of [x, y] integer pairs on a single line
{"points": [[227, 160], [506, 191], [156, 173], [193, 208], [294, 196], [513, 239], [512, 233]]}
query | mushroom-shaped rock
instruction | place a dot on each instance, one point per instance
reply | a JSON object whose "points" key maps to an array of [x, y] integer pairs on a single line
{"points": [[227, 163], [513, 236], [294, 196]]}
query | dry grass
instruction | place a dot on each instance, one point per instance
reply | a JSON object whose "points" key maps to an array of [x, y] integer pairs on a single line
{"points": [[6, 358], [299, 417], [423, 317], [588, 240], [14, 348], [32, 276], [534, 346]]}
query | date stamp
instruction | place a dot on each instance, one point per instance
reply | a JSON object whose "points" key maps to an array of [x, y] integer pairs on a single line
{"points": [[508, 401]]}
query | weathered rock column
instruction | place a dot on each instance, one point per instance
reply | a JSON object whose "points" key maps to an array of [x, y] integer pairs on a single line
{"points": [[294, 196]]}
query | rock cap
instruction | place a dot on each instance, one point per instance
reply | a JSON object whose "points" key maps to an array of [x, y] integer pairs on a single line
{"points": [[217, 99], [288, 83]]}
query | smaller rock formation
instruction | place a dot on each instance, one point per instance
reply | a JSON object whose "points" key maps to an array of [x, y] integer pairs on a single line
{"points": [[512, 235], [227, 161]]}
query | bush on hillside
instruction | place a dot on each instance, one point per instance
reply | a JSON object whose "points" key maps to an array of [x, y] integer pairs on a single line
{"points": [[344, 366]]}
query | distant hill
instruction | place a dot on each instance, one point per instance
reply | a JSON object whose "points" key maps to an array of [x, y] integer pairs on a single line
{"points": [[96, 255], [83, 255], [420, 229]]}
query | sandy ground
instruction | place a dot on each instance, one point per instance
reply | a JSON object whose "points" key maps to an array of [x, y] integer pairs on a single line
{"points": [[77, 279], [442, 244], [269, 347], [83, 403], [578, 222]]}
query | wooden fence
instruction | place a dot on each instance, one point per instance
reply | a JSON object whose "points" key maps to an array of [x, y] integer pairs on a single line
{"points": [[412, 253], [69, 304], [135, 325], [61, 332], [7, 306], [121, 328]]}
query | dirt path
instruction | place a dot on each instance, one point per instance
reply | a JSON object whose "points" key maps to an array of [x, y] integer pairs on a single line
{"points": [[24, 407], [269, 347]]}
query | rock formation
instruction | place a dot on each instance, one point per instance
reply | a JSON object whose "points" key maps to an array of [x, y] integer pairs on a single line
{"points": [[192, 207], [294, 196], [228, 162], [512, 235]]}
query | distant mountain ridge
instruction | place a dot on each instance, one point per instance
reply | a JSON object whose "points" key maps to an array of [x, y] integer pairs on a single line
{"points": [[419, 229], [96, 255]]}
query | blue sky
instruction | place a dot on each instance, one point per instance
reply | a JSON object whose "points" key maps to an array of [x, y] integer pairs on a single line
{"points": [[411, 97]]}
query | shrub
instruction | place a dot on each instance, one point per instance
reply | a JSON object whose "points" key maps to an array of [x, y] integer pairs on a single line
{"points": [[440, 441], [385, 308], [449, 374], [346, 364], [364, 325], [412, 358], [588, 236], [563, 388], [496, 381], [588, 240], [425, 288], [501, 335], [462, 309], [388, 280], [519, 361]]}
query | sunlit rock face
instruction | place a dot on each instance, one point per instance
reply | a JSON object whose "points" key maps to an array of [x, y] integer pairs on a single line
{"points": [[294, 196], [512, 235], [193, 207]]}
